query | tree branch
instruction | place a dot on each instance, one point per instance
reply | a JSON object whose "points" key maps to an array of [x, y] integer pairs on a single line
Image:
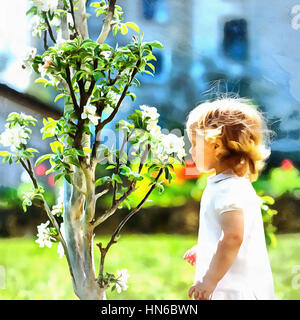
{"points": [[49, 28], [51, 217], [112, 210], [112, 115], [100, 194], [81, 20], [126, 138], [103, 251], [45, 41], [73, 16], [107, 24], [97, 134], [117, 202], [84, 192], [72, 93]]}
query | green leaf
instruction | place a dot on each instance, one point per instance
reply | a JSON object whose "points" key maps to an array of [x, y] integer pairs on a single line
{"points": [[4, 153], [115, 29], [43, 158], [131, 95], [41, 80], [111, 166], [151, 66], [32, 10], [117, 178], [6, 158], [95, 4], [58, 176], [57, 147], [124, 169], [268, 199], [102, 180], [32, 150], [68, 178], [133, 26], [60, 96], [146, 71], [166, 172], [150, 57], [156, 44], [74, 161], [124, 29]]}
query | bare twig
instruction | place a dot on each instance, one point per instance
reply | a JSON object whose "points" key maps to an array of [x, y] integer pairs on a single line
{"points": [[73, 16], [113, 209], [72, 93], [30, 172], [45, 40], [49, 28], [100, 194]]}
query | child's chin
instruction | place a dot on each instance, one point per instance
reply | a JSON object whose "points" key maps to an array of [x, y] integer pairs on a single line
{"points": [[205, 170]]}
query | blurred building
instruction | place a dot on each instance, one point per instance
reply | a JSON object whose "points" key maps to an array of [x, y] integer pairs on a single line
{"points": [[247, 47], [220, 46]]}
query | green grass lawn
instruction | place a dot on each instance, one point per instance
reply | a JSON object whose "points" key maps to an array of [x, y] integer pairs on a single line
{"points": [[154, 262]]}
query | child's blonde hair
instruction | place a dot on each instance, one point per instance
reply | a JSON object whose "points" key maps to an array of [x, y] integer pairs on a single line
{"points": [[240, 132]]}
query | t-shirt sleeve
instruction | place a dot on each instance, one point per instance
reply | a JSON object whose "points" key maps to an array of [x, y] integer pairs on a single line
{"points": [[229, 198]]}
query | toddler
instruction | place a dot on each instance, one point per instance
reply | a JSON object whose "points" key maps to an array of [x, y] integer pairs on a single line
{"points": [[229, 137]]}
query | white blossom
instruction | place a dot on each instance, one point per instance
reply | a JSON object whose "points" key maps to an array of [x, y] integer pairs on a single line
{"points": [[89, 112], [149, 112], [126, 72], [108, 109], [159, 153], [114, 97], [46, 5], [154, 130], [28, 58], [35, 22], [106, 54], [44, 237], [13, 137], [59, 41], [43, 69], [58, 208], [55, 21], [70, 20], [175, 144], [122, 280]]}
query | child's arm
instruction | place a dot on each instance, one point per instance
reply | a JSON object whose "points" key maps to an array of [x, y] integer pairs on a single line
{"points": [[232, 223]]}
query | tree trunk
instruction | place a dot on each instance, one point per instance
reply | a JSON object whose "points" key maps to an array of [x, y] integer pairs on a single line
{"points": [[79, 233]]}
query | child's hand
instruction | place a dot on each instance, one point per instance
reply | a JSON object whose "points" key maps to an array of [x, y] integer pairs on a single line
{"points": [[191, 255], [202, 290]]}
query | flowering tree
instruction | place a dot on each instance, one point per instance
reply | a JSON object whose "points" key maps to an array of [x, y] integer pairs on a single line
{"points": [[93, 78]]}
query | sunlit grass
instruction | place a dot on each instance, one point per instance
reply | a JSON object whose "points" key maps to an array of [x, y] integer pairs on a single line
{"points": [[154, 262]]}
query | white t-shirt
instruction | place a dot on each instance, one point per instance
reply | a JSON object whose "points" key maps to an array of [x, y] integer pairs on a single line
{"points": [[250, 276]]}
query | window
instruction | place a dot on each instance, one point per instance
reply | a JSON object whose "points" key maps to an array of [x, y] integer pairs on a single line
{"points": [[235, 43], [162, 67], [149, 7], [155, 10]]}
